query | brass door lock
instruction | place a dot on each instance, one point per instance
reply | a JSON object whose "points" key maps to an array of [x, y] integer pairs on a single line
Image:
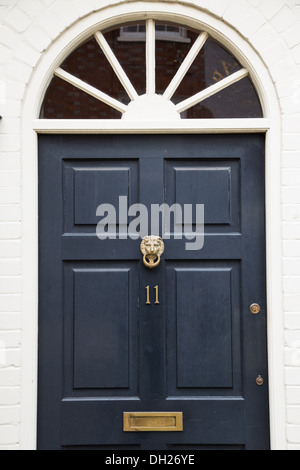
{"points": [[255, 309], [260, 381]]}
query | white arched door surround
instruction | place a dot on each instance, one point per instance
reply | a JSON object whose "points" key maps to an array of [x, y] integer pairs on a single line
{"points": [[32, 126]]}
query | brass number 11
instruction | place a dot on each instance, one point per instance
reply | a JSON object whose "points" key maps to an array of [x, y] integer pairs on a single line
{"points": [[156, 295], [148, 295]]}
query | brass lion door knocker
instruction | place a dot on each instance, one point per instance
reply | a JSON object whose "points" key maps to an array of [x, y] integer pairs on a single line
{"points": [[152, 248]]}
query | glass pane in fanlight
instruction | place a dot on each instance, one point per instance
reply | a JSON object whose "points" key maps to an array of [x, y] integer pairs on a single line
{"points": [[213, 64], [129, 46], [172, 46], [64, 101], [237, 101], [88, 63]]}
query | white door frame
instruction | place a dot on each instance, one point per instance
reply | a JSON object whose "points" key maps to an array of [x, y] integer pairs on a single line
{"points": [[271, 125]]}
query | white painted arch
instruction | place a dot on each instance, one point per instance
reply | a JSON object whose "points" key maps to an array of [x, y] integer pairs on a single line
{"points": [[194, 17]]}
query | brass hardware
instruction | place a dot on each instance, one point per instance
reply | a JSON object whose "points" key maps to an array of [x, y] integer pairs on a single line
{"points": [[152, 248], [148, 302], [260, 381], [156, 295], [255, 309], [152, 421], [148, 295]]}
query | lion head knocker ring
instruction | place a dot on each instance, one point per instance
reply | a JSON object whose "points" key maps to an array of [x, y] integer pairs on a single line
{"points": [[152, 248]]}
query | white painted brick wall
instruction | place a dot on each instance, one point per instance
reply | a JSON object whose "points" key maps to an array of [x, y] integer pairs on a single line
{"points": [[27, 28], [10, 235], [291, 244]]}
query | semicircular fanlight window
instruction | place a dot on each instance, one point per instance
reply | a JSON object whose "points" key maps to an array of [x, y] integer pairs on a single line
{"points": [[194, 76]]}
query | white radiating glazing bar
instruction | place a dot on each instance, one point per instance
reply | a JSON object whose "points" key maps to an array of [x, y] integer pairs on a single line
{"points": [[118, 69], [212, 90], [188, 61], [99, 95], [150, 57]]}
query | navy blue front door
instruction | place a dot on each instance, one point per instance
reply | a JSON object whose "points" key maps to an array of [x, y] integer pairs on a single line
{"points": [[103, 348]]}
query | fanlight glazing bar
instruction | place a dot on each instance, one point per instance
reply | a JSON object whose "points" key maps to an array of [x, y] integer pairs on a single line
{"points": [[118, 69], [212, 90], [188, 61], [99, 95]]}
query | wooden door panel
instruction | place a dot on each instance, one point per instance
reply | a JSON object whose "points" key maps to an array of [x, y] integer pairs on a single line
{"points": [[101, 329], [203, 310], [204, 322], [213, 182], [101, 317], [94, 187], [89, 183]]}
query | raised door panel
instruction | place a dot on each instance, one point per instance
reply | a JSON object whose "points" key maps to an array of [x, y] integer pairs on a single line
{"points": [[204, 336], [213, 182], [101, 317], [204, 321], [208, 186], [95, 187], [91, 183], [101, 329]]}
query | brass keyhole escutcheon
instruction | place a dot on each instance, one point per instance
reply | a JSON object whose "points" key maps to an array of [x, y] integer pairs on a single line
{"points": [[255, 309], [260, 381], [152, 248]]}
